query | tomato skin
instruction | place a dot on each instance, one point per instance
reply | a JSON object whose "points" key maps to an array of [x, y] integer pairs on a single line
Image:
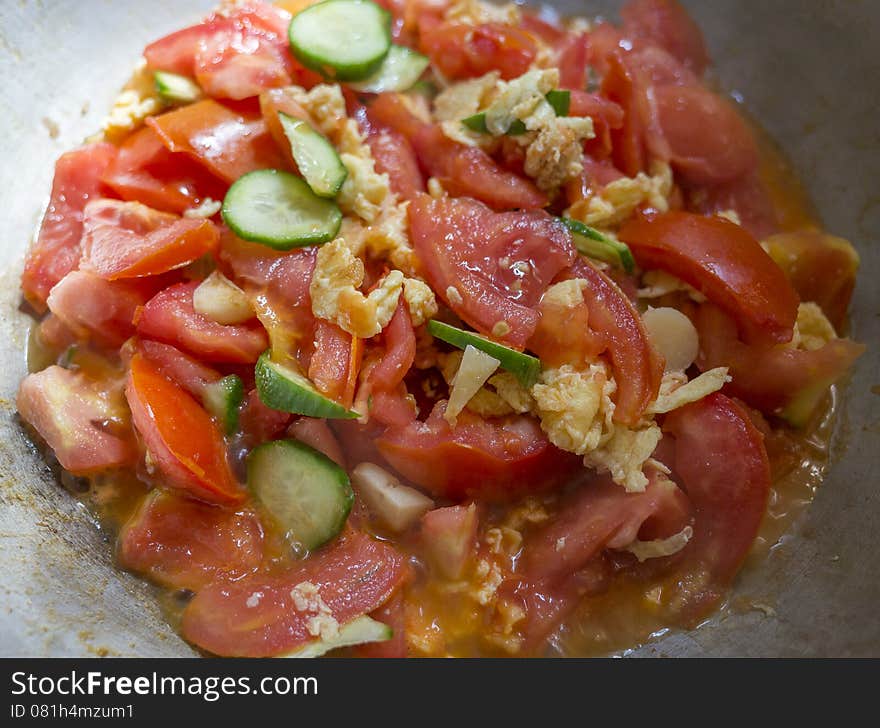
{"points": [[335, 362], [499, 264], [130, 240], [393, 155], [399, 340], [145, 171], [747, 195], [354, 575], [260, 423], [467, 51], [619, 85], [185, 544], [460, 169], [181, 437], [316, 433], [490, 460], [56, 251], [729, 496], [170, 317], [665, 23], [227, 143], [67, 409], [180, 368], [723, 262]]}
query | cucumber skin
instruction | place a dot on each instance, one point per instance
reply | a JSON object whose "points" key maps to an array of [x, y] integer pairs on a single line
{"points": [[291, 129], [526, 368], [359, 631], [333, 470], [357, 72], [611, 251], [276, 395], [374, 83], [232, 391]]}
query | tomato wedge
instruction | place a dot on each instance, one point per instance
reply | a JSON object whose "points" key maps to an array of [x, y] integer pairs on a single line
{"points": [[56, 251], [258, 617], [488, 459], [725, 263], [170, 317], [721, 460], [466, 51], [394, 156], [666, 23], [489, 267], [335, 362], [131, 240], [185, 544], [181, 438], [180, 368], [227, 143]]}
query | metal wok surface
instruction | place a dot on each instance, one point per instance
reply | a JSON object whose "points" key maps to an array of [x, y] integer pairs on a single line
{"points": [[808, 71]]}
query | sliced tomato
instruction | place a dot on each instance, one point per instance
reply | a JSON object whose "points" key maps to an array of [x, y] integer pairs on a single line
{"points": [[83, 421], [281, 100], [226, 142], [563, 336], [606, 116], [822, 269], [317, 434], [181, 438], [96, 309], [257, 616], [722, 261], [56, 251], [489, 267], [185, 544], [467, 51], [487, 459], [774, 379], [131, 240], [335, 362], [260, 423], [665, 23], [572, 61], [747, 195], [620, 86], [145, 171], [723, 466], [170, 317], [234, 55], [399, 340], [461, 170], [394, 156], [449, 538], [706, 139], [180, 368]]}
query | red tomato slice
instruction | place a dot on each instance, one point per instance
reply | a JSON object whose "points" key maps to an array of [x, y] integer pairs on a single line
{"points": [[490, 460], [180, 368], [170, 317], [257, 615], [462, 170], [772, 378], [489, 267], [330, 367], [184, 544], [724, 263], [393, 155], [96, 309], [449, 538], [145, 171], [131, 240], [606, 116], [85, 424], [227, 143], [181, 438], [467, 51], [573, 56], [666, 23], [748, 196], [723, 466], [317, 434], [399, 340], [619, 85], [281, 100], [259, 423], [56, 251]]}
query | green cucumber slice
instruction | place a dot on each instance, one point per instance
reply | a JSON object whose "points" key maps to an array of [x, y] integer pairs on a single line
{"points": [[360, 631], [318, 162], [283, 389], [176, 88], [477, 123], [560, 100], [279, 209], [593, 244], [524, 367], [345, 40], [401, 68], [305, 492], [223, 399]]}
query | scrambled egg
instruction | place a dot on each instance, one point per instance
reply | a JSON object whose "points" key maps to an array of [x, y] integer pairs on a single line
{"points": [[812, 329], [137, 100], [644, 550], [307, 599], [474, 12], [420, 300], [618, 201], [676, 391], [659, 283], [625, 454], [336, 298]]}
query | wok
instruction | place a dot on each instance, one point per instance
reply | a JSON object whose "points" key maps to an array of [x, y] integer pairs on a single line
{"points": [[808, 71]]}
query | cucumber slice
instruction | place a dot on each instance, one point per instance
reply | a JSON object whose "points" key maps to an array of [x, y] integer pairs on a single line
{"points": [[477, 123], [223, 399], [176, 88], [279, 209], [345, 40], [560, 100], [401, 68], [524, 367], [593, 244], [307, 494], [281, 388], [315, 156], [360, 631]]}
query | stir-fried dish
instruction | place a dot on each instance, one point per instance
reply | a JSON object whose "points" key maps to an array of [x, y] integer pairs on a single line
{"points": [[431, 327]]}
